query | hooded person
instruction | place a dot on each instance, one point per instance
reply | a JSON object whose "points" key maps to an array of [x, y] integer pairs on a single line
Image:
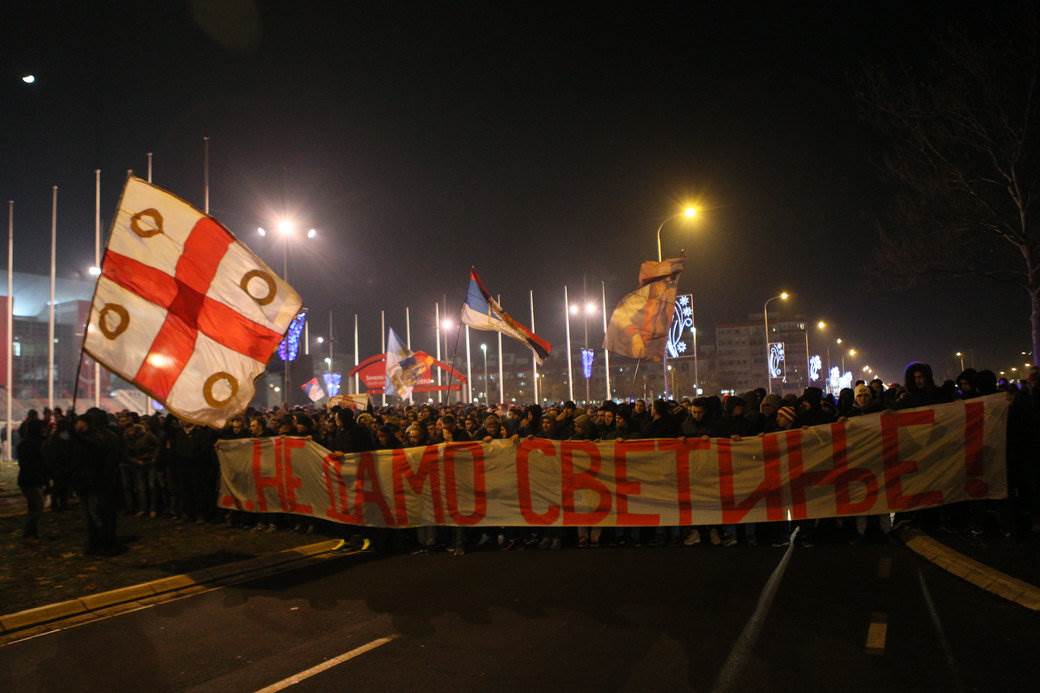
{"points": [[735, 422], [967, 384], [921, 390], [810, 408]]}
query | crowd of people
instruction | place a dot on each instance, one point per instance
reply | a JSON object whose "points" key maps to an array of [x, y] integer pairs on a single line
{"points": [[157, 466]]}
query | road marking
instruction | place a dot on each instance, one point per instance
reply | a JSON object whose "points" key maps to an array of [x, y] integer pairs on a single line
{"points": [[884, 569], [741, 651], [877, 631], [326, 665], [937, 623]]}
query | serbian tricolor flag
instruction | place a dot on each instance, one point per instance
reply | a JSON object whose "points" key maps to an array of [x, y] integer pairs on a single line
{"points": [[639, 324], [183, 310], [313, 390], [482, 312]]}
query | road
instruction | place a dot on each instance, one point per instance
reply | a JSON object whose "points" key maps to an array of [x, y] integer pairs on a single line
{"points": [[634, 619]]}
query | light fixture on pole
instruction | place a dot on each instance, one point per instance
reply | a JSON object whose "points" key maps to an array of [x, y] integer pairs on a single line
{"points": [[688, 212], [960, 356], [782, 296]]}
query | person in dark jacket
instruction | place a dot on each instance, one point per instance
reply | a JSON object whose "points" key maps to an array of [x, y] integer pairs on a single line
{"points": [[57, 458], [32, 473], [96, 479], [662, 422], [921, 390], [349, 436]]}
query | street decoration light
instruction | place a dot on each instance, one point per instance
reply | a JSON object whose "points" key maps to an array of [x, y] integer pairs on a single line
{"points": [[782, 296]]}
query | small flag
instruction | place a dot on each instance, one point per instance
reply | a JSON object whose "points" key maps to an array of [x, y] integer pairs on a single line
{"points": [[639, 324], [184, 311], [403, 367], [482, 312], [313, 390]]}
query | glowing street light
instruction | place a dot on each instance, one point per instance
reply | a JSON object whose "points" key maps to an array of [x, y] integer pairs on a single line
{"points": [[447, 324], [782, 296], [852, 352], [312, 234], [319, 340], [94, 271], [575, 309], [261, 231], [591, 308], [29, 79], [821, 325]]}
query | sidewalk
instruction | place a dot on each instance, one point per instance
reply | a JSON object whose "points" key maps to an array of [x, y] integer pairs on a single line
{"points": [[1017, 557], [57, 569]]}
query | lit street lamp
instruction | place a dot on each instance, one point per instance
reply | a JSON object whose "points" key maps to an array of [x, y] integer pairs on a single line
{"points": [[782, 296], [286, 229], [960, 356], [688, 212]]}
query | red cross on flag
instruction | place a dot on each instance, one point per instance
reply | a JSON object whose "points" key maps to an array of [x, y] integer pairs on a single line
{"points": [[182, 309]]}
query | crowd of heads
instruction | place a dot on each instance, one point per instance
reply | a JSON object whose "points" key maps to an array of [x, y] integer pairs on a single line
{"points": [[157, 465]]}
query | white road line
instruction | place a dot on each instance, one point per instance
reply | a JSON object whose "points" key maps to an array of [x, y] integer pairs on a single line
{"points": [[742, 649], [951, 663], [326, 665]]}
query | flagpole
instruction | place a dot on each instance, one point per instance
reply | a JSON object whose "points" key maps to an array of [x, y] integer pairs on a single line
{"points": [[97, 263], [437, 333], [10, 320], [606, 354], [147, 397], [469, 370], [501, 380], [329, 369], [50, 312], [205, 174], [567, 322], [407, 328], [306, 337], [534, 356], [382, 341], [357, 376]]}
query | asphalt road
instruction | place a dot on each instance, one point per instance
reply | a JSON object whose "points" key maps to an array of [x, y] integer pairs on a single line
{"points": [[575, 620]]}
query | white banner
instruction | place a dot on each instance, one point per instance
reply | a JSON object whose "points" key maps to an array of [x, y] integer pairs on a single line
{"points": [[880, 463]]}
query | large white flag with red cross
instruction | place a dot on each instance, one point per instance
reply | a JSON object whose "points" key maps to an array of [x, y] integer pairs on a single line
{"points": [[182, 309]]}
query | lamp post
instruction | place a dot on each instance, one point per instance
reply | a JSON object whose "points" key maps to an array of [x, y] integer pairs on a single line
{"points": [[689, 212], [782, 296], [822, 327], [286, 230], [960, 356], [483, 348]]}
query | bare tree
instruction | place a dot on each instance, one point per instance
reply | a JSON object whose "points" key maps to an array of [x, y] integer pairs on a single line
{"points": [[960, 144]]}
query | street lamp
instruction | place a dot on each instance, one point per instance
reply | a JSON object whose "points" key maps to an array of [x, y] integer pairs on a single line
{"points": [[483, 348], [822, 327], [782, 296], [960, 356], [687, 213], [286, 228]]}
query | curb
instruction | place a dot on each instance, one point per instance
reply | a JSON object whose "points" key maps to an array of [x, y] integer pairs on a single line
{"points": [[978, 574], [16, 625]]}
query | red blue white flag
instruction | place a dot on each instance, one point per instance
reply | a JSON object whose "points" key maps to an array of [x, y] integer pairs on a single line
{"points": [[482, 312]]}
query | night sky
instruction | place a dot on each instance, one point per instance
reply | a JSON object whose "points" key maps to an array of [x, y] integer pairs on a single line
{"points": [[539, 142]]}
